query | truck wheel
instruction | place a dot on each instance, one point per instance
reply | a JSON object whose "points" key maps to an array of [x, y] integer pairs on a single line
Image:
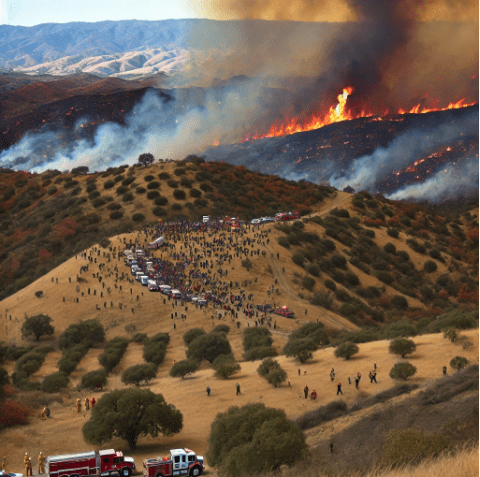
{"points": [[195, 471], [126, 472]]}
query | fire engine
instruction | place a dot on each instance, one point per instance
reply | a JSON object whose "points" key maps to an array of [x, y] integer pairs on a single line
{"points": [[179, 462], [106, 462], [286, 216]]}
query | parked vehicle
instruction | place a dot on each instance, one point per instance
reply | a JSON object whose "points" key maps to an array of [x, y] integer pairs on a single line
{"points": [[152, 285], [144, 280], [156, 243], [179, 462], [284, 311], [174, 293], [105, 462], [165, 289]]}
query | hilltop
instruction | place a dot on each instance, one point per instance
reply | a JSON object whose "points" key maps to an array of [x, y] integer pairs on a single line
{"points": [[353, 262]]}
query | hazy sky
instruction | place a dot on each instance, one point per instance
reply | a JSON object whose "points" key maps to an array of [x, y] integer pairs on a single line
{"points": [[34, 12]]}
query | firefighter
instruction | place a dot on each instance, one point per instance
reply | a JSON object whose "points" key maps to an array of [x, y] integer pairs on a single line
{"points": [[29, 467], [41, 463], [25, 462], [92, 402], [87, 404], [78, 406], [44, 413]]}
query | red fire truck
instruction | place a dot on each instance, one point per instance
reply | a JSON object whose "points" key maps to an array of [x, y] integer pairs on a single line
{"points": [[286, 216], [106, 462], [179, 462]]}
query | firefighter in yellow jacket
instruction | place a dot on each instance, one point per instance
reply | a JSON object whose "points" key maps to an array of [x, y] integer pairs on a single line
{"points": [[41, 463], [25, 462], [78, 405], [28, 467]]}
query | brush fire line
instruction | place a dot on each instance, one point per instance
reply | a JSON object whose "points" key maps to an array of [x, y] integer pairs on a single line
{"points": [[105, 462], [179, 462]]}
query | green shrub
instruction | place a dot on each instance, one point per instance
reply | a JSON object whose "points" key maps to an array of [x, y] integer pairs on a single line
{"points": [[393, 233], [154, 352], [369, 233], [114, 206], [86, 332], [177, 206], [400, 302], [225, 366], [127, 181], [140, 190], [161, 201], [140, 338], [116, 214], [54, 382], [261, 352], [323, 300], [402, 347], [164, 176], [98, 202], [108, 184], [459, 362], [313, 269], [390, 248], [308, 283], [121, 190], [195, 193], [128, 197], [256, 337], [339, 261], [94, 379], [254, 440], [346, 350], [138, 217], [183, 368], [153, 194], [402, 371], [272, 372], [283, 241], [352, 279], [298, 258], [430, 266], [221, 329], [300, 348], [149, 178], [404, 446], [191, 334], [153, 185], [172, 183], [139, 373], [208, 347], [330, 284], [113, 353]]}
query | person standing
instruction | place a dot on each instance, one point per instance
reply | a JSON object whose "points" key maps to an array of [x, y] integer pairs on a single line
{"points": [[87, 404], [238, 389], [339, 389], [41, 464], [25, 462], [29, 467], [305, 390], [208, 390], [357, 380], [78, 405], [444, 370], [4, 463], [93, 402]]}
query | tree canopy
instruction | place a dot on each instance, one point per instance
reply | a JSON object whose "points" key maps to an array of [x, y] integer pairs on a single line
{"points": [[346, 350], [184, 367], [138, 373], [146, 158], [225, 366], [208, 347], [38, 325], [301, 348], [272, 371], [254, 439], [402, 371], [402, 346], [130, 414]]}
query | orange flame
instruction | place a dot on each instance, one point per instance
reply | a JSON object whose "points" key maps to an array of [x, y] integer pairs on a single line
{"points": [[340, 113]]}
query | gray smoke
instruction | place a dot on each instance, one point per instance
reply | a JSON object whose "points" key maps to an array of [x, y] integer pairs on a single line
{"points": [[451, 182], [402, 152]]}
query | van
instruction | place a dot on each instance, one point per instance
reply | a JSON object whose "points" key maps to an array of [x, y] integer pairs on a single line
{"points": [[138, 274], [152, 285], [144, 280], [165, 289], [175, 294], [135, 269]]}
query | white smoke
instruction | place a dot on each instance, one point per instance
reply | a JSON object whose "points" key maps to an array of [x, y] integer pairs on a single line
{"points": [[151, 127], [451, 182], [403, 151]]}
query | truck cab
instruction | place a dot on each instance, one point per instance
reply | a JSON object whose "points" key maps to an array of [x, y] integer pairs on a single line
{"points": [[111, 461], [179, 462]]}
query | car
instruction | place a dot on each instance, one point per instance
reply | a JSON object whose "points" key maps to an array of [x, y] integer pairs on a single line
{"points": [[284, 311], [10, 474], [256, 221], [267, 219]]}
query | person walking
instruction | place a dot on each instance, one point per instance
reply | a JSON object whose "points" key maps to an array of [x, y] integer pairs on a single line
{"points": [[444, 370], [78, 405], [305, 390], [373, 377], [92, 402], [339, 389], [29, 467], [208, 391], [41, 463], [87, 404], [359, 376], [25, 462], [238, 389], [349, 380], [357, 380]]}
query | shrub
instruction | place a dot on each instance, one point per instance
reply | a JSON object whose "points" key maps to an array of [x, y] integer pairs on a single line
{"points": [[225, 366], [221, 329], [404, 446], [138, 217], [172, 183], [330, 284], [301, 348], [390, 248], [298, 258], [183, 368], [159, 211], [430, 266], [164, 176], [314, 331], [313, 269], [86, 332], [260, 352], [179, 194], [339, 261], [256, 337], [113, 353], [153, 185], [451, 334], [13, 414], [94, 379], [128, 197], [139, 373], [272, 371], [208, 347], [247, 263], [161, 201], [149, 178], [153, 194], [195, 193], [155, 349], [54, 382], [459, 362], [98, 202], [352, 279], [121, 190], [191, 334], [283, 241], [116, 214], [308, 283], [393, 233], [140, 338], [402, 347], [140, 190], [402, 371], [370, 233], [180, 171], [127, 181], [400, 302], [323, 300], [108, 184], [346, 350], [71, 357], [254, 439], [114, 206]]}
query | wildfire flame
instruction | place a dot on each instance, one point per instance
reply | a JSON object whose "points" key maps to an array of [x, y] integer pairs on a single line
{"points": [[341, 113]]}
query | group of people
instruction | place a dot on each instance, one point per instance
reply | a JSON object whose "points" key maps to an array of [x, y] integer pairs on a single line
{"points": [[89, 403], [28, 464]]}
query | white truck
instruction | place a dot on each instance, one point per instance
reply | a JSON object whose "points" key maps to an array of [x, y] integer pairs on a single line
{"points": [[156, 243]]}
